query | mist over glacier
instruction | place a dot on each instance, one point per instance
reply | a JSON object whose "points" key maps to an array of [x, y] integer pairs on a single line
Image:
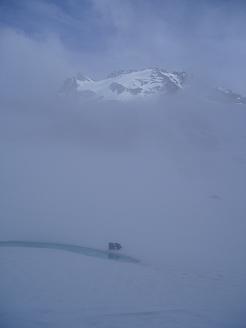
{"points": [[164, 177]]}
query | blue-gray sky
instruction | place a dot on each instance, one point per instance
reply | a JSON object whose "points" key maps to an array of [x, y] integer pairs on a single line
{"points": [[98, 36], [90, 24]]}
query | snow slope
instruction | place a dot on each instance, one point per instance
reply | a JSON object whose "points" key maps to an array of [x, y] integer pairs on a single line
{"points": [[126, 85], [148, 83], [54, 289]]}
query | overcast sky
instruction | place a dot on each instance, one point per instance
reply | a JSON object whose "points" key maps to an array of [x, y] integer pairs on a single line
{"points": [[206, 38]]}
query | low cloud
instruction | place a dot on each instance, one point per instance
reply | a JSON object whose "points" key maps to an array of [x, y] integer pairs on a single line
{"points": [[55, 41]]}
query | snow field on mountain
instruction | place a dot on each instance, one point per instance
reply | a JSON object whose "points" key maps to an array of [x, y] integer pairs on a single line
{"points": [[147, 80]]}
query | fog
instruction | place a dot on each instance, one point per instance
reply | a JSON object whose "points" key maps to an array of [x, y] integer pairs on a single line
{"points": [[166, 178], [124, 168]]}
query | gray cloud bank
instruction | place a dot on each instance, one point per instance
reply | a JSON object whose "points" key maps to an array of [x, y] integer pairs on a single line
{"points": [[96, 37]]}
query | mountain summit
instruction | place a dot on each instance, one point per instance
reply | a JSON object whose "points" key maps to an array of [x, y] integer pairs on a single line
{"points": [[125, 85]]}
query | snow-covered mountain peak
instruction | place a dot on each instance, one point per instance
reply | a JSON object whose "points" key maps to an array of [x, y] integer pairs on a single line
{"points": [[228, 96], [125, 85], [120, 72], [82, 77]]}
